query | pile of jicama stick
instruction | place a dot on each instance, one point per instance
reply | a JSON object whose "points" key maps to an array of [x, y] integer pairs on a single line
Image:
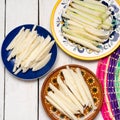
{"points": [[30, 50], [87, 22], [72, 96]]}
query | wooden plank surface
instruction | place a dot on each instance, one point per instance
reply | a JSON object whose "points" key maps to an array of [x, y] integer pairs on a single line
{"points": [[20, 97], [2, 20]]}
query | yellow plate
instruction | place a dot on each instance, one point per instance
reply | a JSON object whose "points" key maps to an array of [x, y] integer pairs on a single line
{"points": [[77, 51]]}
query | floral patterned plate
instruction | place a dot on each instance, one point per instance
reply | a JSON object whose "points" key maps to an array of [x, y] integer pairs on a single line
{"points": [[77, 51], [92, 82]]}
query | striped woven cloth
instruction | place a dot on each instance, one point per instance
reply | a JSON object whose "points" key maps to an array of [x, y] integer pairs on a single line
{"points": [[108, 72]]}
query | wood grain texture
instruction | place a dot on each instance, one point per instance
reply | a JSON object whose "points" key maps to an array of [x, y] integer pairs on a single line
{"points": [[2, 23], [20, 97]]}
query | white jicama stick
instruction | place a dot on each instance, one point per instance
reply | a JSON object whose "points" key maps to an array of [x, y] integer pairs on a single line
{"points": [[13, 52], [66, 104], [62, 105], [18, 46], [26, 42], [45, 51], [69, 94], [66, 100], [94, 2], [99, 8], [85, 9], [42, 63], [67, 76], [27, 52], [86, 89], [82, 19], [55, 104], [80, 35], [79, 86], [70, 22], [14, 41], [37, 51], [17, 71], [87, 16], [72, 86], [82, 32], [96, 32], [80, 41]]}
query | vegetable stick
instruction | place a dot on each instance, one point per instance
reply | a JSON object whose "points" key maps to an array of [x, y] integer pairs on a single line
{"points": [[27, 52], [96, 32], [12, 54], [72, 109], [95, 2], [64, 98], [82, 32], [79, 86], [99, 8], [16, 49], [84, 38], [37, 51], [90, 17], [68, 17], [82, 19], [15, 40], [71, 22], [17, 71], [45, 51], [62, 105], [69, 94], [86, 89], [85, 9], [80, 41], [55, 104], [42, 63]]}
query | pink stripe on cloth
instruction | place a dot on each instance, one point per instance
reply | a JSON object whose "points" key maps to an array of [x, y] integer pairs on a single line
{"points": [[102, 76]]}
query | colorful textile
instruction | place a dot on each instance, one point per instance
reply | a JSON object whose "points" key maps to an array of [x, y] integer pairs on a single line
{"points": [[108, 72]]}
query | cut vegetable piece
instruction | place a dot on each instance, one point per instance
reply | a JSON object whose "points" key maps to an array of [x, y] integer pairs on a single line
{"points": [[85, 10], [37, 51], [79, 86], [82, 32], [95, 2], [55, 104], [64, 98], [91, 6], [70, 22], [72, 86], [108, 22], [17, 47], [96, 32], [62, 105], [15, 40], [45, 51], [86, 89], [42, 63], [81, 42], [82, 19], [90, 17], [82, 35], [23, 56], [69, 94]]}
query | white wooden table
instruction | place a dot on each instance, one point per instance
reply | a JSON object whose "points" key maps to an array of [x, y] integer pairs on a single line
{"points": [[20, 100]]}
